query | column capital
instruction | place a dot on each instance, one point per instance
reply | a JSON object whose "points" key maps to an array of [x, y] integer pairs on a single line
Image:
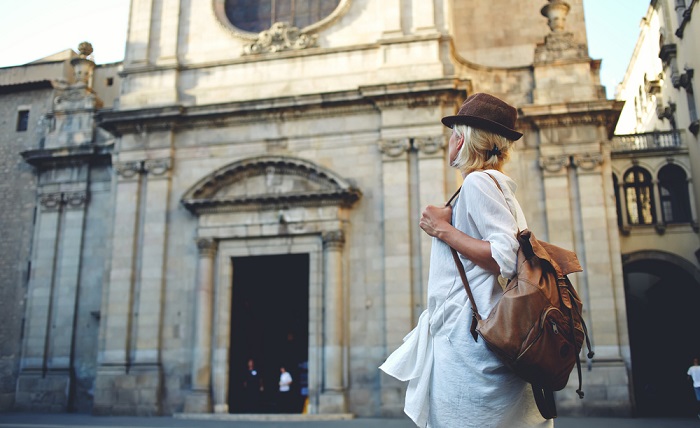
{"points": [[206, 246], [51, 201], [587, 161], [157, 166], [555, 164], [395, 148], [128, 170], [429, 145], [334, 239], [75, 200]]}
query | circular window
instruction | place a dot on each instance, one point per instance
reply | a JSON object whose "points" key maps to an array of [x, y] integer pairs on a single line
{"points": [[247, 18]]}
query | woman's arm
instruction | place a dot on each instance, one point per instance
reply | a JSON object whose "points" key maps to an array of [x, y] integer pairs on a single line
{"points": [[435, 221]]}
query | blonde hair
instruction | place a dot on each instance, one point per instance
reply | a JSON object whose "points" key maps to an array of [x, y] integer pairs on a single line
{"points": [[474, 154]]}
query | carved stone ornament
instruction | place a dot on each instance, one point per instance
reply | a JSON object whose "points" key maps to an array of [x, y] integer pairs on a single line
{"points": [[429, 145], [559, 44], [50, 201], [127, 169], [75, 199], [207, 247], [394, 148], [333, 239], [588, 161], [157, 166], [280, 37], [555, 12], [554, 163]]}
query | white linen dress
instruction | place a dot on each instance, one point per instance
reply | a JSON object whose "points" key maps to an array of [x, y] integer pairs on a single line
{"points": [[455, 382]]}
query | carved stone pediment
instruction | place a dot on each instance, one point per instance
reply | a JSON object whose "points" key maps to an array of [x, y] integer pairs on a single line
{"points": [[269, 182]]}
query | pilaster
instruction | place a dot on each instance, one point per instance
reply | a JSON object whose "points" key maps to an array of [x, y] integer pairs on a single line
{"points": [[199, 399], [333, 397]]}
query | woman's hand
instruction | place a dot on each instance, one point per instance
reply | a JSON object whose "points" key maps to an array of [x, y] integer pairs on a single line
{"points": [[436, 220]]}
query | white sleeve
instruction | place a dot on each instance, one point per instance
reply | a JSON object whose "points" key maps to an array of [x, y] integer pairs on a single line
{"points": [[488, 211]]}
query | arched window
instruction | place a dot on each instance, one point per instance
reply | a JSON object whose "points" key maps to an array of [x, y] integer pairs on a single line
{"points": [[673, 190], [259, 15], [639, 196]]}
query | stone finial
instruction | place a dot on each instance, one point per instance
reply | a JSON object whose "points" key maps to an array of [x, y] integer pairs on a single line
{"points": [[85, 49], [555, 11]]}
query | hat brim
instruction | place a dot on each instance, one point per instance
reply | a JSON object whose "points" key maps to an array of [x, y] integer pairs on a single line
{"points": [[481, 123]]}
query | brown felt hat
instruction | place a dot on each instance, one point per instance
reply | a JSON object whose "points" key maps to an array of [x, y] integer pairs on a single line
{"points": [[486, 112]]}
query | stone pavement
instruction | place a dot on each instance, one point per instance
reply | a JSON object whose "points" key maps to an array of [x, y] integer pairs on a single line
{"points": [[25, 420]]}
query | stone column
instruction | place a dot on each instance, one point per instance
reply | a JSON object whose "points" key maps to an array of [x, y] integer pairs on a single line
{"points": [[170, 22], [116, 316], [423, 16], [558, 208], [67, 279], [432, 170], [397, 248], [117, 303], [660, 223], [139, 36], [623, 206], [332, 399], [391, 11], [152, 273], [199, 399]]}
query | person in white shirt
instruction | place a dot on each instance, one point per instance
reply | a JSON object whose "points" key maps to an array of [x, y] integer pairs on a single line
{"points": [[694, 375], [285, 391], [454, 381]]}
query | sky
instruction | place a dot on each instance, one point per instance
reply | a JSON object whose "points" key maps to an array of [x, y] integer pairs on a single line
{"points": [[33, 29]]}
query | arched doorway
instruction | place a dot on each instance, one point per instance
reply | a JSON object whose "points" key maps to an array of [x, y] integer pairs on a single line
{"points": [[661, 292]]}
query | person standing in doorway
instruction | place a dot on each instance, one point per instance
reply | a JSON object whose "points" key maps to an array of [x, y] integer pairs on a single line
{"points": [[252, 389], [285, 395], [694, 376]]}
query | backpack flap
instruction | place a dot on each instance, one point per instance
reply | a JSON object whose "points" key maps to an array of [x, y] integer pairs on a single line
{"points": [[563, 261]]}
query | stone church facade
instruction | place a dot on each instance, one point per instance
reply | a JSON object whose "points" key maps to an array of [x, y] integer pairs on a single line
{"points": [[253, 189]]}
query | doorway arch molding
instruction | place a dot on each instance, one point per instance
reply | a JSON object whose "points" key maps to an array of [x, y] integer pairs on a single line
{"points": [[664, 256], [270, 205]]}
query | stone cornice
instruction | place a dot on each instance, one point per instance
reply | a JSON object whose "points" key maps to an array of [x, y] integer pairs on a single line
{"points": [[364, 99], [68, 156], [602, 112]]}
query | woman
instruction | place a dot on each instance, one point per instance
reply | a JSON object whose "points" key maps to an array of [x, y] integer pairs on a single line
{"points": [[453, 380]]}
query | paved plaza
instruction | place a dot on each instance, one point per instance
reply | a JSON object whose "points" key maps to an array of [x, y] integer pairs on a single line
{"points": [[24, 420]]}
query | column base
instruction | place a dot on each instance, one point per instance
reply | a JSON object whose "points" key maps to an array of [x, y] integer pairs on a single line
{"points": [[43, 392], [198, 402], [332, 402], [136, 392], [606, 388]]}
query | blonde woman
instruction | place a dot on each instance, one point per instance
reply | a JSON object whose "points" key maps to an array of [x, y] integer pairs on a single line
{"points": [[455, 381]]}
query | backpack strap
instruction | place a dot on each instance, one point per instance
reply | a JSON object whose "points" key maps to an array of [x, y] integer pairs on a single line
{"points": [[544, 398], [460, 267]]}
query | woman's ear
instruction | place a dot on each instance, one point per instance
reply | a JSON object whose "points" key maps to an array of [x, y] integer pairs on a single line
{"points": [[460, 143]]}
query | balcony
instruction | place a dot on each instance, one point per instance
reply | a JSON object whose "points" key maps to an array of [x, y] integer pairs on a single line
{"points": [[658, 141]]}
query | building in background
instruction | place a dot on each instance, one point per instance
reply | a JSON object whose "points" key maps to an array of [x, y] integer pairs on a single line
{"points": [[656, 158], [247, 184]]}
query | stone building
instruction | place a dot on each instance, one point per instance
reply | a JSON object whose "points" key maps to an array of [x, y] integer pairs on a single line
{"points": [[253, 192], [655, 160]]}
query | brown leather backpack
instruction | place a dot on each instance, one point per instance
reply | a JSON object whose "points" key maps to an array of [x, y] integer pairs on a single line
{"points": [[536, 328]]}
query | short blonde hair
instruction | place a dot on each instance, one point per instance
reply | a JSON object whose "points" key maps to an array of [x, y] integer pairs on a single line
{"points": [[474, 154]]}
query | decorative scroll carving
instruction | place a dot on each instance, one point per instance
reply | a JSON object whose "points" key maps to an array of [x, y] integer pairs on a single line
{"points": [[334, 239], [429, 145], [207, 247], [280, 37], [395, 148], [554, 163], [50, 201], [157, 166], [75, 199], [587, 161], [128, 170]]}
